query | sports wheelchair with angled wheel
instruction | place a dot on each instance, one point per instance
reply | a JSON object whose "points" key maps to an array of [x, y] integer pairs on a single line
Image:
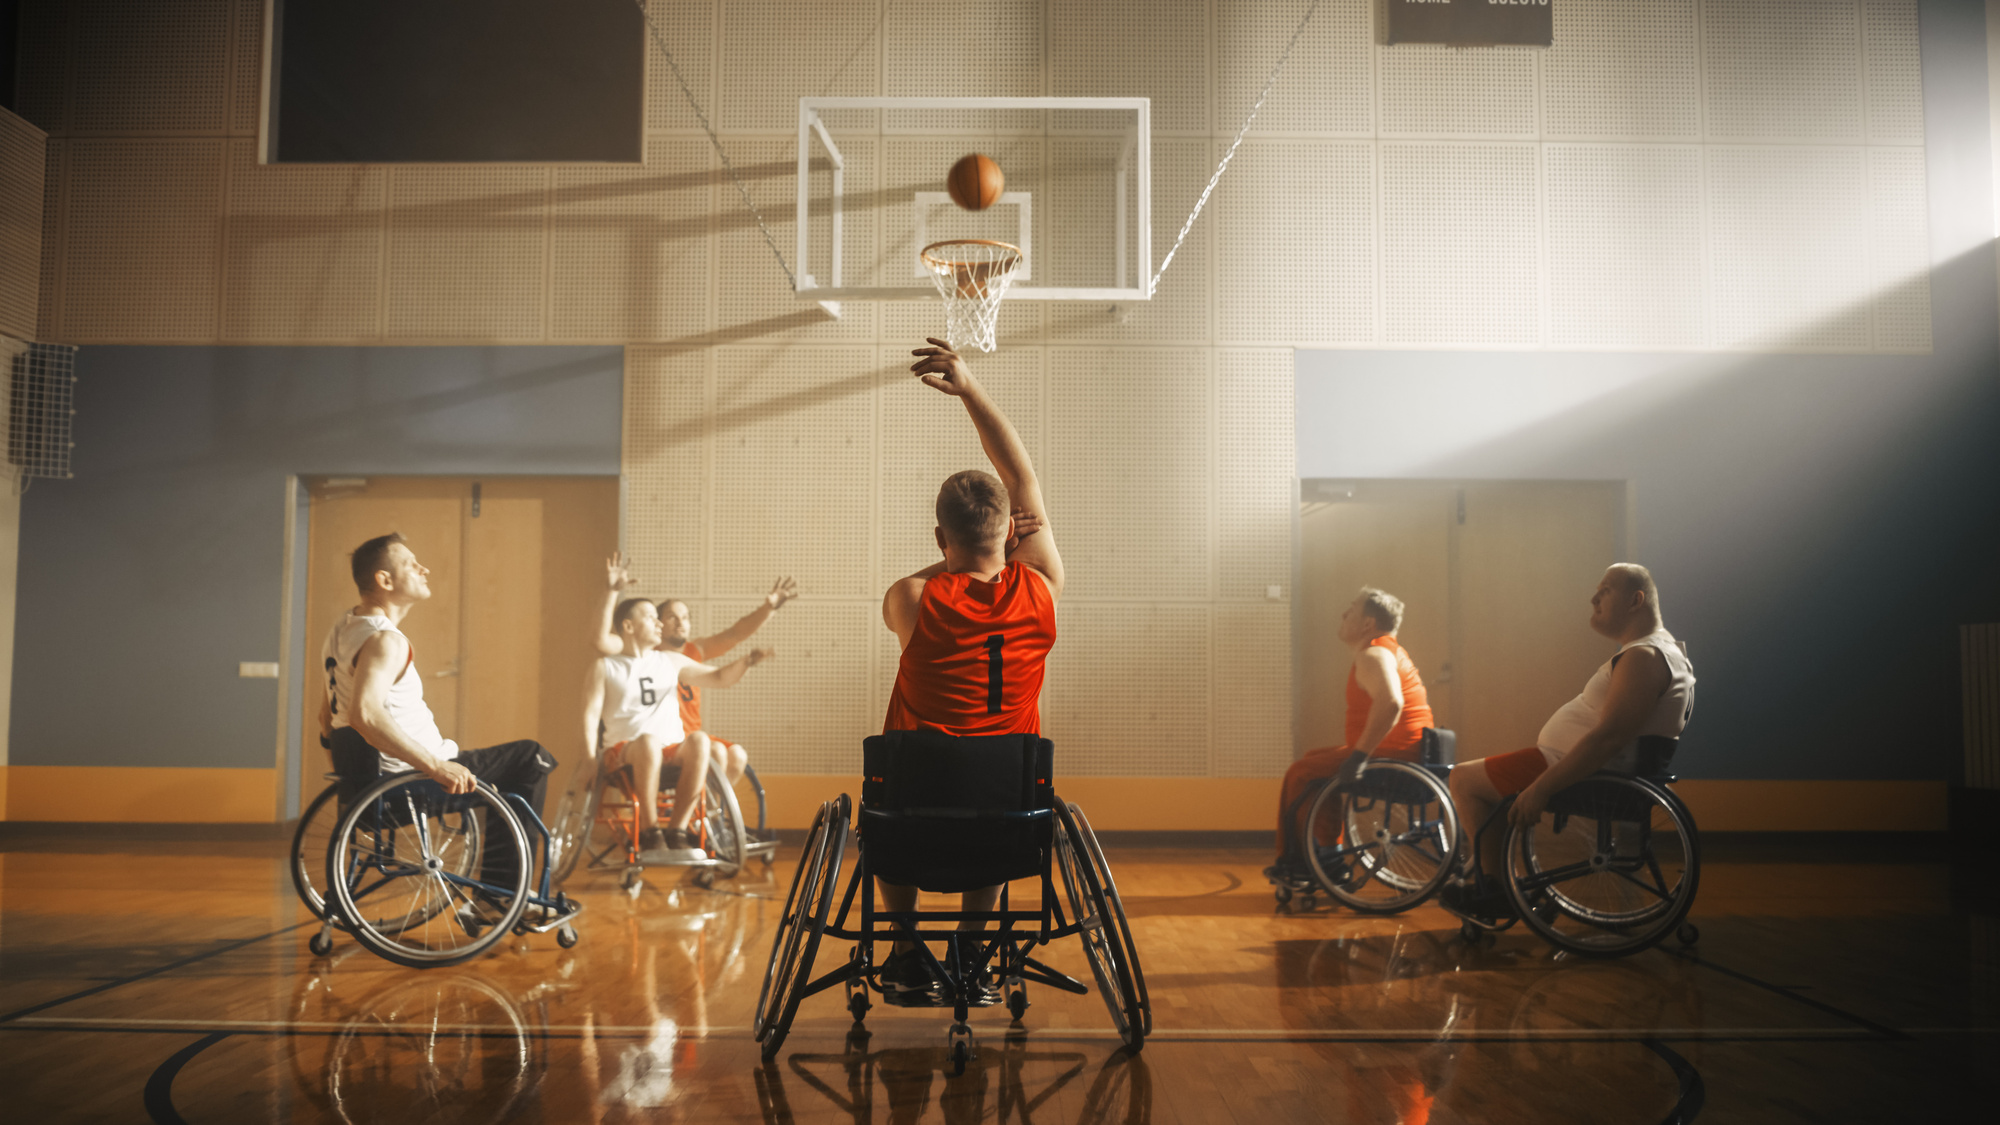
{"points": [[598, 821], [948, 814], [1610, 869], [401, 871], [1381, 836]]}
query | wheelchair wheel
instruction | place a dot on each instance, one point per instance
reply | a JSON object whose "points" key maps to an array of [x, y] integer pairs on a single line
{"points": [[723, 823], [1120, 926], [1609, 870], [309, 847], [397, 871], [1090, 911], [570, 829], [799, 927], [1396, 833]]}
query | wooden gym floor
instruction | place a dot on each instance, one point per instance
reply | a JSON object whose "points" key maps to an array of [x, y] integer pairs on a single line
{"points": [[163, 976]]}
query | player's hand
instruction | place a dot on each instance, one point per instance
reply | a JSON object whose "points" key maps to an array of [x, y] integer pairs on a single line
{"points": [[940, 367], [758, 656], [1528, 806], [617, 574], [782, 591], [455, 778]]}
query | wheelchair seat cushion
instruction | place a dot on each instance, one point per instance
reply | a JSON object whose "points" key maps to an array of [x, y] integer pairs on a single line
{"points": [[946, 814]]}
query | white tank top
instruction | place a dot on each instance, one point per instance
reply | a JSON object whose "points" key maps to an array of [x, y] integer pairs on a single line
{"points": [[642, 696], [1580, 716], [406, 695]]}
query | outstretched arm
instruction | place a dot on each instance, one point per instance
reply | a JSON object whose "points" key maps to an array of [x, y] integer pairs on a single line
{"points": [[782, 591], [941, 368], [710, 676], [617, 578]]}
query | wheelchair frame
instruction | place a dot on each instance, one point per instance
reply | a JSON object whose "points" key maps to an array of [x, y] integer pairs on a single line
{"points": [[1094, 913], [576, 829], [1390, 783], [373, 821]]}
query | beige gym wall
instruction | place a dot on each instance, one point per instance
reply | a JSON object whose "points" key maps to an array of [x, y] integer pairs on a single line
{"points": [[23, 150], [763, 438]]}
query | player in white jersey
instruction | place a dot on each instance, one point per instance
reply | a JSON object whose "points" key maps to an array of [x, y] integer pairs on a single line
{"points": [[1646, 688], [636, 695], [374, 718]]}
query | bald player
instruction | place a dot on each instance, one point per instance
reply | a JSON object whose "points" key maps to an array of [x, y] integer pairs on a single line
{"points": [[1646, 688], [977, 625]]}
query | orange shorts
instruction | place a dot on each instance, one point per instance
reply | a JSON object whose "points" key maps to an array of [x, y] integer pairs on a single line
{"points": [[1512, 772]]}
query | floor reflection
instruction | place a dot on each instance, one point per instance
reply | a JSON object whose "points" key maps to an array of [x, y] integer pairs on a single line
{"points": [[1012, 1080]]}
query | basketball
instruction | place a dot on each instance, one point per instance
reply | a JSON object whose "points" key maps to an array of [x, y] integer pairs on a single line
{"points": [[976, 182]]}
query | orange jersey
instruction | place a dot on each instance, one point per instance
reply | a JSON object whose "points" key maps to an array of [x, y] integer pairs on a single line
{"points": [[1409, 728], [690, 694], [974, 664]]}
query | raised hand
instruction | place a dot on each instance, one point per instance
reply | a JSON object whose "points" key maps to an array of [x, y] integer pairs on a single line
{"points": [[758, 656], [941, 368], [782, 591], [617, 574], [1025, 524]]}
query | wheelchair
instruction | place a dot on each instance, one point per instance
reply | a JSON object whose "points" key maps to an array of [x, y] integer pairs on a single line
{"points": [[398, 867], [948, 814], [1610, 869], [1389, 828], [599, 819]]}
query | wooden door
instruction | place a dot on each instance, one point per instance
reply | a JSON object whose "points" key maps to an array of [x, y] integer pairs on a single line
{"points": [[517, 576]]}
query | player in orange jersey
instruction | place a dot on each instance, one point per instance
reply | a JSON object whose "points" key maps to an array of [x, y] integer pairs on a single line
{"points": [[977, 625]]}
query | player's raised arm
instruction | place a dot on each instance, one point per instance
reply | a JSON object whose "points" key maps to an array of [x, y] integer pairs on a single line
{"points": [[941, 368], [782, 591], [711, 676], [617, 578]]}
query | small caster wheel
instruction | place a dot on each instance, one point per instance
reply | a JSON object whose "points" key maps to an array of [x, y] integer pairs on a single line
{"points": [[769, 860], [566, 936], [961, 1053], [858, 1005], [320, 944], [1689, 933], [1283, 893], [1308, 901], [1017, 1003], [1469, 933], [705, 878]]}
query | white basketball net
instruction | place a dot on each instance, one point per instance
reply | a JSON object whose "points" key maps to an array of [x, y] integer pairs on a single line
{"points": [[972, 275]]}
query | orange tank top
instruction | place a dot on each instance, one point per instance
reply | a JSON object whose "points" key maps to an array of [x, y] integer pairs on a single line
{"points": [[690, 694], [974, 664], [1402, 738]]}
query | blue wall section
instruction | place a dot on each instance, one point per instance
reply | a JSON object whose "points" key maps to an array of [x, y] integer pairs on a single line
{"points": [[147, 578], [1820, 525]]}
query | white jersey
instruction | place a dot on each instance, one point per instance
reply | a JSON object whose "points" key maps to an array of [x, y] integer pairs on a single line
{"points": [[1580, 716], [406, 694], [642, 696]]}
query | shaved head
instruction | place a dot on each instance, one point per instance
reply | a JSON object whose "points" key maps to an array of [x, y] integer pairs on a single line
{"points": [[1633, 577]]}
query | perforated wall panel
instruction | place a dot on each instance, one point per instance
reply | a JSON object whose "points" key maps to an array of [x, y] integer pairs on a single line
{"points": [[779, 51], [303, 260], [794, 433], [1254, 472], [1459, 245], [1789, 246], [753, 299], [1623, 69], [985, 48], [23, 169], [246, 76], [55, 252], [1129, 469], [1183, 307], [630, 252], [1442, 91], [141, 240], [1624, 245], [927, 437], [1327, 87], [1898, 249], [1154, 49], [1783, 69], [1895, 72], [808, 710], [1295, 243], [152, 68], [1252, 690], [689, 32], [466, 253], [666, 467], [1132, 690]]}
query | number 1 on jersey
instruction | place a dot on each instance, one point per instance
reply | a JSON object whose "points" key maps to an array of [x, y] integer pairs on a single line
{"points": [[993, 677]]}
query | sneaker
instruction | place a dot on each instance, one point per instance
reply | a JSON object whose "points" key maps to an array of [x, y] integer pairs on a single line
{"points": [[1490, 909], [668, 847], [907, 981]]}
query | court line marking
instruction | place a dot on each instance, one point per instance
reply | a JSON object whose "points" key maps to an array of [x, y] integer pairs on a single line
{"points": [[1693, 1091], [153, 972], [159, 1094], [1818, 1005]]}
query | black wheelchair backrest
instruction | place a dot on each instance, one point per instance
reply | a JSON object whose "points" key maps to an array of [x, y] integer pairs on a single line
{"points": [[1437, 747], [1654, 754], [929, 773]]}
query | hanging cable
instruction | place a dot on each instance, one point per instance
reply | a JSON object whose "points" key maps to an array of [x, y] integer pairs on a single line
{"points": [[1227, 156], [688, 92]]}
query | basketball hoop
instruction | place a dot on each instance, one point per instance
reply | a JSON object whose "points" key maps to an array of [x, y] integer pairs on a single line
{"points": [[971, 274]]}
